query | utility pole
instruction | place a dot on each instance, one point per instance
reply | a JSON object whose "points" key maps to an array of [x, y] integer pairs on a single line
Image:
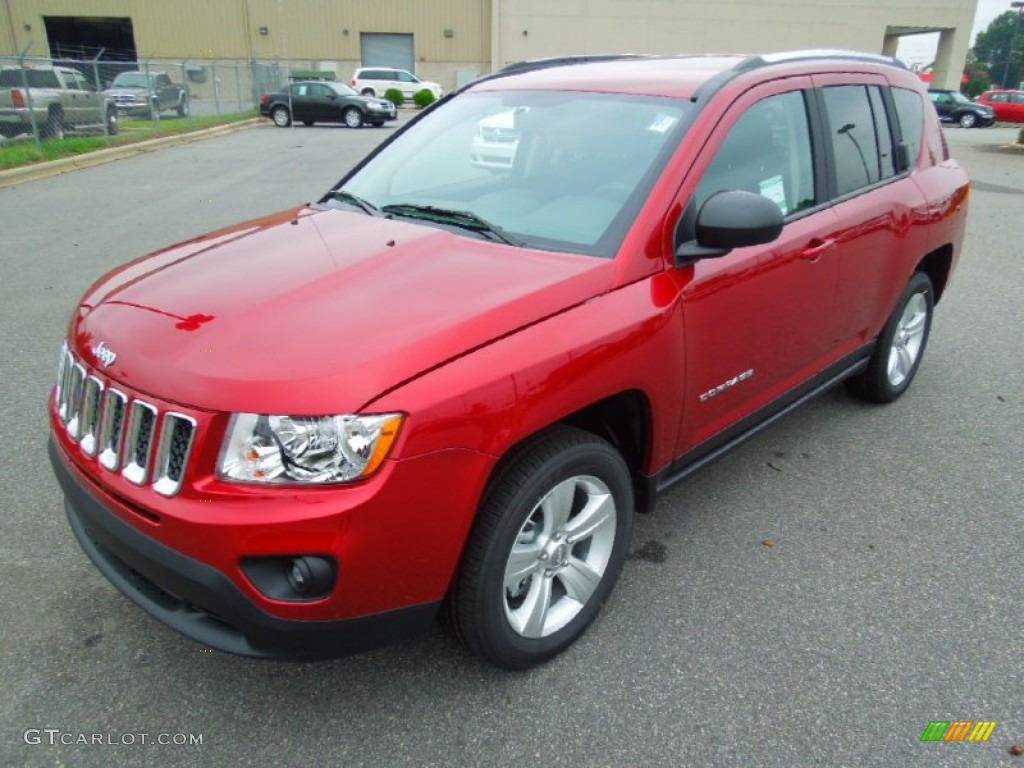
{"points": [[1019, 5]]}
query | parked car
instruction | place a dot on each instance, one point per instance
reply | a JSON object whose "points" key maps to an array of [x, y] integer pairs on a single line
{"points": [[325, 102], [148, 94], [442, 389], [375, 81], [495, 141], [57, 99], [1007, 105], [954, 107]]}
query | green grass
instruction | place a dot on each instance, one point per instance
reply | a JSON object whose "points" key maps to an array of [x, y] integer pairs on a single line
{"points": [[25, 152]]}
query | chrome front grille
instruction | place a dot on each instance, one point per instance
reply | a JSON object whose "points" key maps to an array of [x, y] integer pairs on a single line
{"points": [[123, 432]]}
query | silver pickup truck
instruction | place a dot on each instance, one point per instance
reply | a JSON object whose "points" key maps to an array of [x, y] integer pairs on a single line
{"points": [[59, 98], [147, 94]]}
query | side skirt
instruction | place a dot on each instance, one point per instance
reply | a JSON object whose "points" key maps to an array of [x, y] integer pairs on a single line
{"points": [[727, 439]]}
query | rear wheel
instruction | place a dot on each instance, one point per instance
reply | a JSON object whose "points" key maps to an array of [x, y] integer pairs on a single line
{"points": [[368, 92], [183, 107], [280, 116], [53, 128], [546, 549], [111, 122], [900, 346], [967, 120], [353, 117]]}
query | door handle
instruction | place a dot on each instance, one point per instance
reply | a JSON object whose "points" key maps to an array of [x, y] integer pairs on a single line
{"points": [[814, 249]]}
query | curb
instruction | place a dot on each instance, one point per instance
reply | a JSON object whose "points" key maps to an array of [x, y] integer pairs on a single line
{"points": [[14, 176]]}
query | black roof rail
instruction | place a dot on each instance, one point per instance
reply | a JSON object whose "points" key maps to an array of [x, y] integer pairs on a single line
{"points": [[783, 57], [560, 61]]}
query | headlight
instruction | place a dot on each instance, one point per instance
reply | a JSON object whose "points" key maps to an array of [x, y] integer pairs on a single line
{"points": [[306, 449]]}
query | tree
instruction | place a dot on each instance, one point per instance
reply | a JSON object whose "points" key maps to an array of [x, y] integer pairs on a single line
{"points": [[979, 79], [1000, 48]]}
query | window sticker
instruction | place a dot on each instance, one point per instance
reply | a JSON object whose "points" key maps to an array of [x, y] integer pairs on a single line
{"points": [[662, 123], [775, 190]]}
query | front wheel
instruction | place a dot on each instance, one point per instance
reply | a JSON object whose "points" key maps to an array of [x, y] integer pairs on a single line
{"points": [[183, 107], [353, 117], [967, 120], [280, 117], [112, 122], [53, 128], [900, 346], [546, 549]]}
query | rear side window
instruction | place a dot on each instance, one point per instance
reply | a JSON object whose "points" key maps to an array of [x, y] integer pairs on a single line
{"points": [[37, 78], [911, 119], [852, 133]]}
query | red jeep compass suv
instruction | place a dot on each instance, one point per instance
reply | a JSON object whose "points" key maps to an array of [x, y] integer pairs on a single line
{"points": [[447, 387]]}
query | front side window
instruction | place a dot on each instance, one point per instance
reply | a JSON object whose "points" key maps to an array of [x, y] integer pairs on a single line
{"points": [[855, 144], [405, 77], [767, 151], [569, 173]]}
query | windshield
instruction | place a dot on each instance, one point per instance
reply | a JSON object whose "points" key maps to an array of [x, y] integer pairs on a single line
{"points": [[131, 80], [554, 170]]}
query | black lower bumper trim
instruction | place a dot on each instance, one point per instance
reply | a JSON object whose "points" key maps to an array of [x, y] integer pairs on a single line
{"points": [[202, 603]]}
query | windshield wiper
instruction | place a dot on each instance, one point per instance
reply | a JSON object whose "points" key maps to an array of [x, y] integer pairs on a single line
{"points": [[463, 219], [347, 197]]}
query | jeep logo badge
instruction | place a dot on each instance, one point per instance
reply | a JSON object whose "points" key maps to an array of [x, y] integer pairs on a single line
{"points": [[104, 354]]}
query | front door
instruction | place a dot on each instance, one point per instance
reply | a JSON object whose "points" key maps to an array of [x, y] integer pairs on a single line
{"points": [[759, 320]]}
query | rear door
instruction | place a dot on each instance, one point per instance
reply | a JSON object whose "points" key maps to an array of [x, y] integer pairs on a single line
{"points": [[883, 212]]}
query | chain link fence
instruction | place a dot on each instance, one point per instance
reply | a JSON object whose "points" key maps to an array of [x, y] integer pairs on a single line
{"points": [[58, 99]]}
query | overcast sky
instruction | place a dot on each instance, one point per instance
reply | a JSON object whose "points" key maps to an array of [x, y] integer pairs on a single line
{"points": [[920, 49]]}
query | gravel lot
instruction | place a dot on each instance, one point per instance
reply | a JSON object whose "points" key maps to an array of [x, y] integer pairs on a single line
{"points": [[892, 595]]}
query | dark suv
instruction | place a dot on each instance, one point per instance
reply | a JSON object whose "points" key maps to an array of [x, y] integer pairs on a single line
{"points": [[448, 387], [954, 107]]}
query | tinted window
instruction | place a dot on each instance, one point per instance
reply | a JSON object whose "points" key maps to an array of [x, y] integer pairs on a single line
{"points": [[1017, 98], [320, 91], [37, 78], [767, 151], [852, 133], [911, 120], [886, 160], [997, 97]]}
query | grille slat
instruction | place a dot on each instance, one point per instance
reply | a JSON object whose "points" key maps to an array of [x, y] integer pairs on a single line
{"points": [[172, 455], [138, 444], [111, 428], [121, 431], [91, 401]]}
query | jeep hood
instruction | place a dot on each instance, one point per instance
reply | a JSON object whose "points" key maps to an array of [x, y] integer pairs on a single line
{"points": [[317, 311]]}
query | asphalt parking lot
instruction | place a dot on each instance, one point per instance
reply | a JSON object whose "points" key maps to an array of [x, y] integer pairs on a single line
{"points": [[891, 596]]}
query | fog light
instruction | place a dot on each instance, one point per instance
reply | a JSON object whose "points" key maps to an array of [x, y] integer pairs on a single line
{"points": [[309, 576], [292, 577]]}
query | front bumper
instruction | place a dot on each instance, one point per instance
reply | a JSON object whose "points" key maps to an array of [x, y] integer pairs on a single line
{"points": [[202, 603]]}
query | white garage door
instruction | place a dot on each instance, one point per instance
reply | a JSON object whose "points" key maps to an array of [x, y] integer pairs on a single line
{"points": [[381, 50]]}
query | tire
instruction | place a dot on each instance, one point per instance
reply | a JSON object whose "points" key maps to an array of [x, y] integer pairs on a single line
{"points": [[280, 116], [900, 346], [526, 590], [53, 128], [112, 122], [183, 108], [368, 92], [353, 117], [967, 120]]}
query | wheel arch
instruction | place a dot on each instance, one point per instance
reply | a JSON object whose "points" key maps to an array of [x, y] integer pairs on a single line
{"points": [[938, 265]]}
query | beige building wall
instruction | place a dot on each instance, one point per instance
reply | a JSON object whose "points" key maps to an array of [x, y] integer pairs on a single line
{"points": [[487, 34], [527, 29]]}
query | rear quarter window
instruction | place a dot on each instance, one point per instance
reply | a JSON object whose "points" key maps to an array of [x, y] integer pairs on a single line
{"points": [[910, 113]]}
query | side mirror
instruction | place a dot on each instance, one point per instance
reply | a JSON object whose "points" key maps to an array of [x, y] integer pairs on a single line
{"points": [[732, 219]]}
